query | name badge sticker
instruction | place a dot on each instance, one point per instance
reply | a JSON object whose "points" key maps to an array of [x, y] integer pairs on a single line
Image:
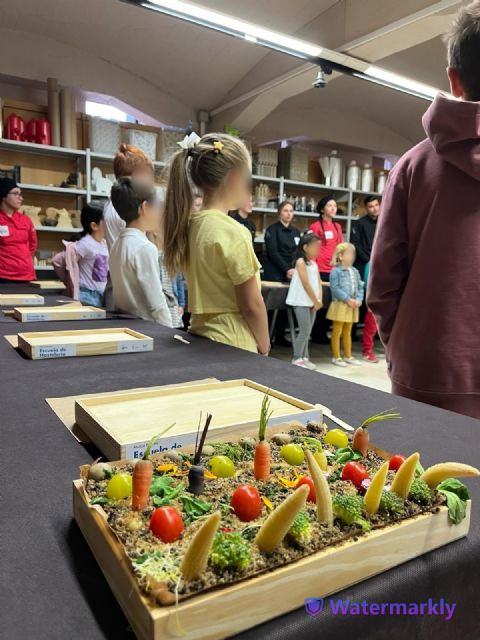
{"points": [[4, 231], [329, 235]]}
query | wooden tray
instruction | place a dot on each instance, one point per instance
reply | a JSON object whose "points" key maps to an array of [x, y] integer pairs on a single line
{"points": [[223, 612], [48, 284], [67, 312], [81, 342], [21, 298], [121, 425]]}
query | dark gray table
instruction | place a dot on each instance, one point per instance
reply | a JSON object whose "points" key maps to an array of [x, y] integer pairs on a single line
{"points": [[51, 587]]}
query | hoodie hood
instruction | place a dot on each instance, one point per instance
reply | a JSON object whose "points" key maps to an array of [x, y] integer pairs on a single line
{"points": [[453, 127]]}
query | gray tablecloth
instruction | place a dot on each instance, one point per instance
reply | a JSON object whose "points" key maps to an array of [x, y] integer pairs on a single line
{"points": [[51, 587]]}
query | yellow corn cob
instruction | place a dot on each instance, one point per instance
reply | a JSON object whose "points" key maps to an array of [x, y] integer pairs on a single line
{"points": [[439, 472], [276, 526], [374, 491], [405, 476], [195, 558], [322, 490]]}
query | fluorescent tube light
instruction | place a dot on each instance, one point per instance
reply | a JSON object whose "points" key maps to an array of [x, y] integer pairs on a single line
{"points": [[284, 43], [393, 79], [233, 26]]}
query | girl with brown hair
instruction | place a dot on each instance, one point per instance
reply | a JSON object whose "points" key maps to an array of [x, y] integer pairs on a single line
{"points": [[212, 249]]}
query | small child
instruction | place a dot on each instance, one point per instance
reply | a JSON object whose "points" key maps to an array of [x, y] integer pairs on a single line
{"points": [[369, 329], [305, 295], [92, 256], [347, 289], [169, 285], [134, 268]]}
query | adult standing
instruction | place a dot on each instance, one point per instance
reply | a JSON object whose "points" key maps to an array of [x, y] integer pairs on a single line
{"points": [[242, 216], [18, 238], [281, 241], [363, 233], [424, 286], [329, 232], [331, 235]]}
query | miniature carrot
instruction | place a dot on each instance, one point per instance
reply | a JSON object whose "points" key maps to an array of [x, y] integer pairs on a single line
{"points": [[261, 461], [361, 437], [142, 476]]}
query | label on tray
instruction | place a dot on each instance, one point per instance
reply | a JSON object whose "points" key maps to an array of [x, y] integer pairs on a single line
{"points": [[134, 346], [91, 315], [137, 449], [36, 317], [55, 351]]}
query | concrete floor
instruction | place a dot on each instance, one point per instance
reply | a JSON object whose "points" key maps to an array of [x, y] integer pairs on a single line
{"points": [[370, 375]]}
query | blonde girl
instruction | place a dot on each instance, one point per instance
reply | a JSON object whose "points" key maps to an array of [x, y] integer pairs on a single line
{"points": [[212, 249], [347, 290]]}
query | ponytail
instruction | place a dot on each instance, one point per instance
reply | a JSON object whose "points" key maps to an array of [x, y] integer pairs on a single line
{"points": [[203, 166], [178, 204]]}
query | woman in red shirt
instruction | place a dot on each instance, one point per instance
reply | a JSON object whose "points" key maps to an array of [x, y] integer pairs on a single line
{"points": [[329, 232], [18, 238]]}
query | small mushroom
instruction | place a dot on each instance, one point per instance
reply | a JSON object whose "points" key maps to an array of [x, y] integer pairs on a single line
{"points": [[208, 450], [281, 438], [247, 441], [99, 471], [172, 455]]}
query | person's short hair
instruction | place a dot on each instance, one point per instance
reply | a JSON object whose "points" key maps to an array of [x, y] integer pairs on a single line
{"points": [[369, 199], [463, 48], [127, 197], [127, 159]]}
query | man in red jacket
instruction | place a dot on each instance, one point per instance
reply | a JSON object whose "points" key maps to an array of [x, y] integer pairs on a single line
{"points": [[18, 238], [424, 285]]}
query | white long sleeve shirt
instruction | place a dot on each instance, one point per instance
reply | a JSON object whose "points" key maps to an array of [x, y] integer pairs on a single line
{"points": [[135, 275], [112, 223]]}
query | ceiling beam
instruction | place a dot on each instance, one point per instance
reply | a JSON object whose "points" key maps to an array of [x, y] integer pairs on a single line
{"points": [[247, 110]]}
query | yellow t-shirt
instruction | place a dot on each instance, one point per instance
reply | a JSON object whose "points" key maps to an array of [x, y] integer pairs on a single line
{"points": [[221, 256]]}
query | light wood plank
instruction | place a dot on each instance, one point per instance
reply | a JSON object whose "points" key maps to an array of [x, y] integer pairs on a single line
{"points": [[21, 299], [65, 312]]}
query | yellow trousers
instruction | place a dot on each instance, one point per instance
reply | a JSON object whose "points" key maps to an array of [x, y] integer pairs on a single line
{"points": [[343, 329]]}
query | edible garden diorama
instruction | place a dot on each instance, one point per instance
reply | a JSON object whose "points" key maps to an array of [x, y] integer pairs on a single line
{"points": [[191, 522]]}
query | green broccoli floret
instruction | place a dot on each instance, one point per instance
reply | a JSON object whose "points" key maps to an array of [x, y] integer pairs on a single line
{"points": [[349, 509], [420, 492], [390, 502], [300, 532], [230, 551]]}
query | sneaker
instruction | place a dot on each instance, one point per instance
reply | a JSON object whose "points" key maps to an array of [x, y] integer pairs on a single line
{"points": [[339, 362], [300, 362], [370, 357], [309, 364], [353, 361]]}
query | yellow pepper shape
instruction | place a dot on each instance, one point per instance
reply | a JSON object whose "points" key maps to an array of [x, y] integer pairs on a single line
{"points": [[374, 492], [276, 526], [405, 476], [439, 472], [194, 561], [322, 490]]}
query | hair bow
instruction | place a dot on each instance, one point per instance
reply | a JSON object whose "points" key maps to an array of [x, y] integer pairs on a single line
{"points": [[189, 141]]}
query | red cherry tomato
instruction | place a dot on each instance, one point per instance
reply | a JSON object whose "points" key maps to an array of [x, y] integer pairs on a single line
{"points": [[355, 472], [309, 482], [166, 523], [395, 462], [246, 502]]}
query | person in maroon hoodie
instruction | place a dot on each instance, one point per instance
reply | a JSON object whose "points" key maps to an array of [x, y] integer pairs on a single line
{"points": [[18, 238], [424, 284]]}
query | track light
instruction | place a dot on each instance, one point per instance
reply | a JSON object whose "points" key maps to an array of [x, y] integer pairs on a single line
{"points": [[326, 59]]}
